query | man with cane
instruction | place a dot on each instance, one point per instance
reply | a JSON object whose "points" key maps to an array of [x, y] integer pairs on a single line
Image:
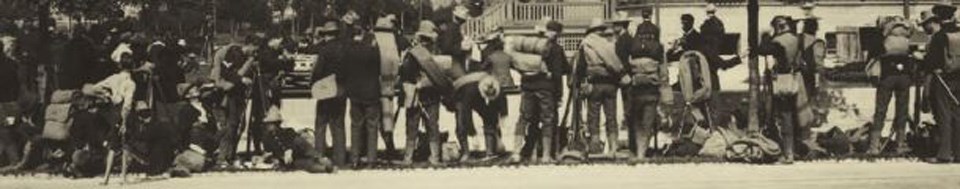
{"points": [[943, 60]]}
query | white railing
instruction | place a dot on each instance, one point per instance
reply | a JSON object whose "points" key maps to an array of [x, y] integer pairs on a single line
{"points": [[494, 17], [565, 12]]}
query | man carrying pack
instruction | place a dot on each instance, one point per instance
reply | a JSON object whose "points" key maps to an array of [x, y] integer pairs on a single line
{"points": [[538, 105], [896, 78], [785, 46], [423, 89], [648, 85], [330, 109], [604, 70]]}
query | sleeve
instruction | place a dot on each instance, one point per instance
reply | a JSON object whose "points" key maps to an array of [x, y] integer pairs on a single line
{"points": [[409, 69], [936, 52], [556, 61]]}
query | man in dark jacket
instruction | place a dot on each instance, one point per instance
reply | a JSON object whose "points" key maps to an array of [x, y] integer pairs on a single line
{"points": [[712, 31], [783, 46], [272, 63], [361, 76], [541, 92], [331, 111], [943, 44]]}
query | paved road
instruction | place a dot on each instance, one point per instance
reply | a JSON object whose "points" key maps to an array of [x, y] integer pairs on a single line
{"points": [[802, 175]]}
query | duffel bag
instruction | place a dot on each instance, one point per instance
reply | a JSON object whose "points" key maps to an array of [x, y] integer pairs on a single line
{"points": [[527, 44]]}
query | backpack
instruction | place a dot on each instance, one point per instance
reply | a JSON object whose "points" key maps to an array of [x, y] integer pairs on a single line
{"points": [[952, 53]]}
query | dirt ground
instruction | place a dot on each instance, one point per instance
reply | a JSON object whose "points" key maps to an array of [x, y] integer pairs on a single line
{"points": [[828, 174]]}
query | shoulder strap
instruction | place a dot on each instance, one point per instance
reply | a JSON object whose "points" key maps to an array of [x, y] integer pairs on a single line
{"points": [[797, 58]]}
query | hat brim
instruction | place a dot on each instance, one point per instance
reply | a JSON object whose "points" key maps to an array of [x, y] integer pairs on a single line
{"points": [[431, 35]]}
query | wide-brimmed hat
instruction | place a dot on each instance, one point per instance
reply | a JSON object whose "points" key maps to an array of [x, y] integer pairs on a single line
{"points": [[711, 8], [944, 9], [808, 6], [427, 29], [328, 27], [596, 24], [621, 18], [385, 22]]}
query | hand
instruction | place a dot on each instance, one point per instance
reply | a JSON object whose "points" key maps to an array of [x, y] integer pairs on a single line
{"points": [[938, 71], [246, 81], [626, 80]]}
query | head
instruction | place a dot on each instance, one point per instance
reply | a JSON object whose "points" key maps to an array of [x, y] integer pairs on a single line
{"points": [[686, 20], [810, 26], [808, 8], [328, 31], [781, 24], [553, 29], [711, 10], [646, 13]]}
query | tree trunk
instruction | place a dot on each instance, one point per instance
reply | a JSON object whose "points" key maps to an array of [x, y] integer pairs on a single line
{"points": [[753, 9]]}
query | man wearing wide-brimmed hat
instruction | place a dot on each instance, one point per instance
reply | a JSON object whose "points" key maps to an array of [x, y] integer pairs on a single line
{"points": [[423, 85], [475, 95], [943, 60], [541, 95], [604, 70], [331, 104]]}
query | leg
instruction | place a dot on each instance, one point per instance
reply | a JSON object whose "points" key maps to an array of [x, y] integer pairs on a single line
{"points": [[491, 129], [372, 123], [625, 97], [464, 116], [548, 113], [433, 130], [358, 131], [902, 95], [594, 103], [884, 93], [338, 132], [644, 121], [523, 140], [787, 113], [322, 120], [610, 117], [228, 133], [387, 127], [413, 130]]}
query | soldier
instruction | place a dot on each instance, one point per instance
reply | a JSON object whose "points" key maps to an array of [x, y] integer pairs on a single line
{"points": [[784, 45], [479, 91], [896, 78], [330, 110], [713, 31], [272, 62], [604, 71], [624, 43], [541, 92], [649, 84], [361, 76], [422, 93], [390, 46], [942, 60]]}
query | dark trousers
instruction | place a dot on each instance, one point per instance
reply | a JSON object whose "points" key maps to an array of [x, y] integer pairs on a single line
{"points": [[625, 96], [948, 118], [490, 113], [330, 113], [786, 111], [603, 97], [263, 98], [895, 86], [538, 107], [428, 112], [231, 113], [364, 127], [643, 118]]}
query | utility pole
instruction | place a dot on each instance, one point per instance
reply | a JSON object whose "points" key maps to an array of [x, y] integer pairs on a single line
{"points": [[753, 10], [906, 9]]}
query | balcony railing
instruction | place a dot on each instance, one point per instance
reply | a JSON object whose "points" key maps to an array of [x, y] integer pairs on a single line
{"points": [[528, 14]]}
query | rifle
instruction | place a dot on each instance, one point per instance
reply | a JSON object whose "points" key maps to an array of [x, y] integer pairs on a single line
{"points": [[576, 148]]}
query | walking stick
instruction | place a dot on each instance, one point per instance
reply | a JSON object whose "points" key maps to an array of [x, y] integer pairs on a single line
{"points": [[953, 97]]}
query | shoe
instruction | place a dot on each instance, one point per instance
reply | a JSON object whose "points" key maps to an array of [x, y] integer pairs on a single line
{"points": [[179, 172]]}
